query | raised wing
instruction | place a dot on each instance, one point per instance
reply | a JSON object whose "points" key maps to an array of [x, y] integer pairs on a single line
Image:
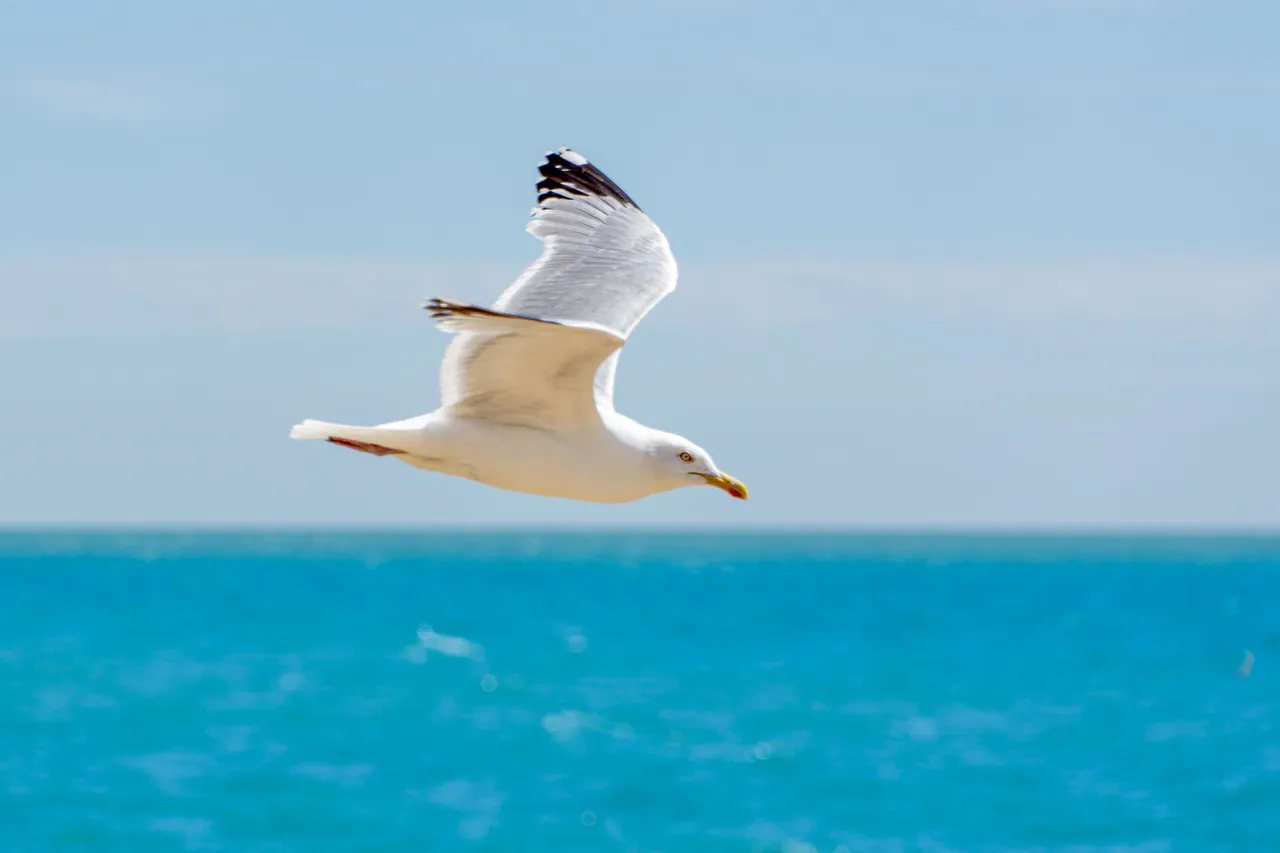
{"points": [[604, 262], [521, 370]]}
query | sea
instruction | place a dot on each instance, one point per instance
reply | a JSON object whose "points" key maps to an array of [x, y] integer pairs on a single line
{"points": [[723, 691]]}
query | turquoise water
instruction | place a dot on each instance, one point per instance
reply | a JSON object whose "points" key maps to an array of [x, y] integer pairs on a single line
{"points": [[520, 692]]}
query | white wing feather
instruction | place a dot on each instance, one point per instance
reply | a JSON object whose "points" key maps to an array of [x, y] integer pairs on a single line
{"points": [[521, 370], [604, 265]]}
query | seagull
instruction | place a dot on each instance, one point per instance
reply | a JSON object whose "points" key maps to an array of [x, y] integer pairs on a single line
{"points": [[527, 385]]}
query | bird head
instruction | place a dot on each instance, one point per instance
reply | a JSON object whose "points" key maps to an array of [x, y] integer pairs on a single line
{"points": [[680, 462]]}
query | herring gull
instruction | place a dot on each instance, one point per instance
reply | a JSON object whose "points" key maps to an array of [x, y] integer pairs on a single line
{"points": [[527, 385]]}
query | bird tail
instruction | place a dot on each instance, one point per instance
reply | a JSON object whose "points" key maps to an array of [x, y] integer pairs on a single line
{"points": [[312, 429], [380, 441]]}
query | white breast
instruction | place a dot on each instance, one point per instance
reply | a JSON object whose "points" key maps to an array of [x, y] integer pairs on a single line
{"points": [[594, 465]]}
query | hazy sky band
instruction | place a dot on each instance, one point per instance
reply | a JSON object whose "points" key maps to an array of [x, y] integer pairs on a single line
{"points": [[942, 263]]}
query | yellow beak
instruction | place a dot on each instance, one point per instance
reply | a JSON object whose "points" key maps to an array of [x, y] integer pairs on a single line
{"points": [[732, 485]]}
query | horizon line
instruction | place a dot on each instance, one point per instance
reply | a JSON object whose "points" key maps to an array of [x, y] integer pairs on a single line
{"points": [[365, 528]]}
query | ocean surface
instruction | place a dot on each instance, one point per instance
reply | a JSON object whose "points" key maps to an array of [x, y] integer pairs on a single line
{"points": [[627, 692]]}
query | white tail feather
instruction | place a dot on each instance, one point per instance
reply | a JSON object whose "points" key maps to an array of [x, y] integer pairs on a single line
{"points": [[406, 436], [393, 438], [311, 429]]}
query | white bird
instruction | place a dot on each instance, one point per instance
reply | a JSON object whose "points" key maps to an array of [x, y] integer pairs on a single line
{"points": [[527, 386]]}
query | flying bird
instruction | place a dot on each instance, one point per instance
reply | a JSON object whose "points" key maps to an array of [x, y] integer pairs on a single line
{"points": [[527, 385]]}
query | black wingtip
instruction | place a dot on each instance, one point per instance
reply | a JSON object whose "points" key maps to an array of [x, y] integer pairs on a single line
{"points": [[566, 173], [440, 308]]}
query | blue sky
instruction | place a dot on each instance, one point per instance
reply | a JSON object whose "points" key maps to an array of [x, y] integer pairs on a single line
{"points": [[962, 262]]}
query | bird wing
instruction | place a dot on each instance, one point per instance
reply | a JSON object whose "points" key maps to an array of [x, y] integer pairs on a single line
{"points": [[604, 265], [514, 369]]}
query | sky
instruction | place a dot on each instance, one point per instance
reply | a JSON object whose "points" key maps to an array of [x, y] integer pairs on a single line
{"points": [[943, 263]]}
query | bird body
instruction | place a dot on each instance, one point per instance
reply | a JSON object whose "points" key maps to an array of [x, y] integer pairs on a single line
{"points": [[527, 386], [514, 457]]}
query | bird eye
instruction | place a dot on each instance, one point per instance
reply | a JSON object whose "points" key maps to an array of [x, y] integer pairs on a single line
{"points": [[686, 456]]}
